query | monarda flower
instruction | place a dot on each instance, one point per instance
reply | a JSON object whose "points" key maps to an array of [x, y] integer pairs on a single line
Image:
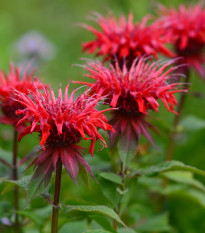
{"points": [[21, 81], [61, 124], [133, 92], [124, 40], [185, 29]]}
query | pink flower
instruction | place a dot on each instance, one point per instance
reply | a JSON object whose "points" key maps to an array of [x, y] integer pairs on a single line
{"points": [[8, 82], [134, 92], [185, 29], [61, 124], [125, 40]]}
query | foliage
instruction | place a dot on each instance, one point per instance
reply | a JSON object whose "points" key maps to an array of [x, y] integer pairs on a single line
{"points": [[154, 196]]}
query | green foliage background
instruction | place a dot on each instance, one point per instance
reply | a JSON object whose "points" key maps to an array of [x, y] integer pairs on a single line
{"points": [[57, 20]]}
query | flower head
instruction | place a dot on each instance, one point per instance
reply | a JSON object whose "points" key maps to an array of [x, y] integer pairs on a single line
{"points": [[125, 40], [34, 45], [185, 29], [61, 124], [133, 92], [14, 80]]}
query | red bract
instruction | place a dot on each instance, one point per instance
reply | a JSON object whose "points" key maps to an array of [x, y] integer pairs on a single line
{"points": [[61, 123], [185, 29], [8, 82], [133, 92], [125, 40]]}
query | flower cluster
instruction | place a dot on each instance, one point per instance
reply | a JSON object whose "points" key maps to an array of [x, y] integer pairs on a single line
{"points": [[185, 29], [61, 123], [133, 91], [21, 81], [124, 39]]}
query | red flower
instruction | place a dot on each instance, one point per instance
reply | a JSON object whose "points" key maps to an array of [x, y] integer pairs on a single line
{"points": [[124, 39], [185, 29], [62, 123], [133, 92], [26, 84]]}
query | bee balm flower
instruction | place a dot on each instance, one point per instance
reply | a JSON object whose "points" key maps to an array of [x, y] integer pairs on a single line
{"points": [[185, 29], [125, 40], [134, 92], [61, 124], [13, 80]]}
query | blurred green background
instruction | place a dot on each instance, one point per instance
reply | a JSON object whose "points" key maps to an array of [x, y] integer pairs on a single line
{"points": [[57, 22]]}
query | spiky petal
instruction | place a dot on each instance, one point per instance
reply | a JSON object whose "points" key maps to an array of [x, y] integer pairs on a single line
{"points": [[122, 39], [185, 29], [61, 123], [20, 80], [134, 92]]}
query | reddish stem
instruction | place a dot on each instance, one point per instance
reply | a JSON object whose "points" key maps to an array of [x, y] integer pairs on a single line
{"points": [[56, 205], [15, 177]]}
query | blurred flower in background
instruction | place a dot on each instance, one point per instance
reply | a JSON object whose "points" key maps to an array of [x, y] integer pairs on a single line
{"points": [[21, 80], [34, 47], [185, 29], [125, 40]]}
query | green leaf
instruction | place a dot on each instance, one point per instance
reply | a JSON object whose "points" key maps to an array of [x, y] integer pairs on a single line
{"points": [[192, 123], [5, 162], [97, 231], [96, 209], [33, 217], [111, 177], [23, 183], [157, 223], [198, 196], [103, 222], [127, 149], [84, 175], [38, 185], [109, 190], [126, 230], [74, 227], [190, 194], [168, 166], [184, 177]]}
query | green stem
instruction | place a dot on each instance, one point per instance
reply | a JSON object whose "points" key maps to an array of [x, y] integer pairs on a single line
{"points": [[171, 143], [15, 177], [56, 206], [122, 187]]}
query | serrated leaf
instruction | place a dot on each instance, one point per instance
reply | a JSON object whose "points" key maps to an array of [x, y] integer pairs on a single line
{"points": [[96, 209], [111, 177], [184, 177], [127, 146], [192, 123], [168, 166], [39, 183], [157, 223], [22, 183]]}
